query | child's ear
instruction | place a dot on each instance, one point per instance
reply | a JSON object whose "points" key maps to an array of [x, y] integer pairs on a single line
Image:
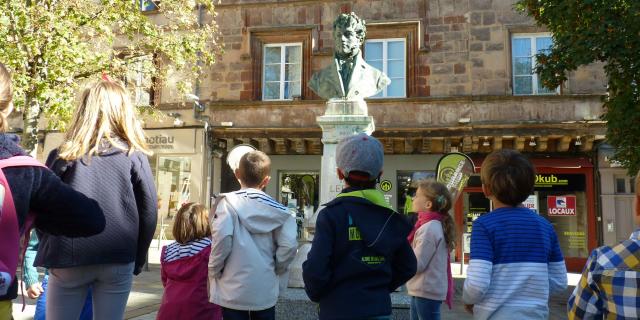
{"points": [[340, 174], [265, 182], [486, 190]]}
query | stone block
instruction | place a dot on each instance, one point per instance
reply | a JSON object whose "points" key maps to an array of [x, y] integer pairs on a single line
{"points": [[439, 28], [456, 57], [454, 35], [302, 15], [435, 58], [476, 18], [481, 34], [496, 87], [435, 21], [424, 70], [496, 46], [457, 90], [246, 76], [442, 69], [477, 63], [235, 86], [436, 37], [236, 46], [454, 19], [246, 95], [424, 91], [458, 27], [488, 18], [480, 4], [232, 77], [459, 68], [476, 46]]}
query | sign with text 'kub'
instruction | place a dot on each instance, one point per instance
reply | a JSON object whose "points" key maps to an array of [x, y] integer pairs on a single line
{"points": [[559, 206]]}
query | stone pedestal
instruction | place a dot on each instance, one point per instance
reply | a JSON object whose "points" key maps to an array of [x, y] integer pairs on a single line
{"points": [[342, 118]]}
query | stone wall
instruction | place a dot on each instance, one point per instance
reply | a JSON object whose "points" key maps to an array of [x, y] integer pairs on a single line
{"points": [[463, 49]]}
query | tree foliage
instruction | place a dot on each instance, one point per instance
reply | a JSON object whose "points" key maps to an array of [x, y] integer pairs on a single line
{"points": [[53, 45], [590, 31]]}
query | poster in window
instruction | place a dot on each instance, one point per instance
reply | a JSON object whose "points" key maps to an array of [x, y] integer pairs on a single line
{"points": [[561, 206]]}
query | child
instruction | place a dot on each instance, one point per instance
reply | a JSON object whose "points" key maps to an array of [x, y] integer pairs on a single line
{"points": [[608, 288], [515, 262], [254, 241], [104, 156], [184, 268], [360, 252], [432, 239], [58, 209]]}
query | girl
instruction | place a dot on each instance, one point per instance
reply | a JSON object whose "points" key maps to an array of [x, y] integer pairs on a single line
{"points": [[185, 268], [432, 239], [58, 208], [105, 157]]}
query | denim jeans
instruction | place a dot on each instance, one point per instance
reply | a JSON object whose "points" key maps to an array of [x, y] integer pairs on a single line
{"points": [[86, 314], [425, 309], [231, 314]]}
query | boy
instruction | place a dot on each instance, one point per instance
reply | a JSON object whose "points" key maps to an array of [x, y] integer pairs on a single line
{"points": [[516, 262], [609, 285], [253, 242], [360, 253]]}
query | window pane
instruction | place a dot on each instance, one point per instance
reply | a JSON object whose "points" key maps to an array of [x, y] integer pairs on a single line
{"points": [[291, 89], [521, 47], [395, 69], [272, 72], [395, 50], [620, 185], [376, 64], [293, 54], [523, 85], [632, 185], [272, 90], [522, 66], [373, 51], [271, 55], [396, 88], [542, 89], [543, 44], [292, 72]]}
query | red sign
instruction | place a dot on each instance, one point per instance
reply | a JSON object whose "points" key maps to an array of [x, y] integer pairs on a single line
{"points": [[561, 206]]}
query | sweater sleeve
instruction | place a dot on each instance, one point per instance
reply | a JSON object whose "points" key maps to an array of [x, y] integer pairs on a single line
{"points": [[287, 244], [147, 203], [60, 210], [222, 227], [424, 248], [29, 272], [557, 267], [480, 265], [316, 272]]}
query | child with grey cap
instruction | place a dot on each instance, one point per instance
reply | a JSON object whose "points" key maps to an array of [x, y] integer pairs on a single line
{"points": [[360, 252]]}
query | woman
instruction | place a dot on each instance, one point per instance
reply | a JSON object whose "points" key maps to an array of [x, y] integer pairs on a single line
{"points": [[104, 156]]}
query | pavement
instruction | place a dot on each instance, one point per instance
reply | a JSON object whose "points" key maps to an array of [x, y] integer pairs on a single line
{"points": [[293, 304]]}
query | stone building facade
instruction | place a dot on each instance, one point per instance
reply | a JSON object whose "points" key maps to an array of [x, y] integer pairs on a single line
{"points": [[463, 85]]}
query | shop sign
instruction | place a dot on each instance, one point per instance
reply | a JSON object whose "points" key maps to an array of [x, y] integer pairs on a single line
{"points": [[171, 141], [561, 206], [531, 203], [385, 185], [560, 182], [466, 242]]}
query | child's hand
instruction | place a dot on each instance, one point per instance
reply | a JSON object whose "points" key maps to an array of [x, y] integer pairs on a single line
{"points": [[468, 308], [34, 291]]}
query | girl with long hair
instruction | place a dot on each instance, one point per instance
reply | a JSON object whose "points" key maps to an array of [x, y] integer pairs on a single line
{"points": [[104, 156], [432, 239]]}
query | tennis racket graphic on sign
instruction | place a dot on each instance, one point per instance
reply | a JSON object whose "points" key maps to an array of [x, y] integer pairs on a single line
{"points": [[236, 153], [454, 170]]}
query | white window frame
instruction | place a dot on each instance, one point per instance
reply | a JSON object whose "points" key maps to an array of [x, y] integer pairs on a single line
{"points": [[282, 67], [385, 60], [142, 7], [136, 67], [535, 77]]}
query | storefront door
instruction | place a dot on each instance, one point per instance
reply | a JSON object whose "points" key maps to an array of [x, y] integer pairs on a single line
{"points": [[471, 205]]}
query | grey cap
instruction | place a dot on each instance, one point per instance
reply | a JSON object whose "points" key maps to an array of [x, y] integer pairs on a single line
{"points": [[360, 152]]}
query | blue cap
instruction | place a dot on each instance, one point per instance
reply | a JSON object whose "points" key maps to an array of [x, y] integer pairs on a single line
{"points": [[360, 152]]}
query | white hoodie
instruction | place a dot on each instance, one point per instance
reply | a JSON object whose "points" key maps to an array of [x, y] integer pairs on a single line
{"points": [[253, 243]]}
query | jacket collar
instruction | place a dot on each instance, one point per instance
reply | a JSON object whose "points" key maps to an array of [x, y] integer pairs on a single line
{"points": [[372, 195], [635, 235], [356, 75]]}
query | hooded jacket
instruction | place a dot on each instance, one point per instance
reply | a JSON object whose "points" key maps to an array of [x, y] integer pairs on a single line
{"points": [[359, 255], [254, 241], [185, 285]]}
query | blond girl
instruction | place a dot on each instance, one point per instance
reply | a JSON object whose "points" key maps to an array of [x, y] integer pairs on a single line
{"points": [[105, 157], [432, 239]]}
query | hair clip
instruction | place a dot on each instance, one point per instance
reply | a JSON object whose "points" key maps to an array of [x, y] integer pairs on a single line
{"points": [[105, 77], [440, 199]]}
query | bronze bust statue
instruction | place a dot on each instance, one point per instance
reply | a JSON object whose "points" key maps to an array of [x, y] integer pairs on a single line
{"points": [[349, 76]]}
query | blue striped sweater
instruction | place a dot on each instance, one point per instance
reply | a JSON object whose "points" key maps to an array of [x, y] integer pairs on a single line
{"points": [[515, 264]]}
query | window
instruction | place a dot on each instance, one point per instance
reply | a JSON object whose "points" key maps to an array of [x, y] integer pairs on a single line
{"points": [[300, 192], [148, 5], [625, 184], [524, 48], [139, 79], [389, 56], [282, 71]]}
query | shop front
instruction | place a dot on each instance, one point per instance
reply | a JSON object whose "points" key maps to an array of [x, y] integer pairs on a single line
{"points": [[563, 194]]}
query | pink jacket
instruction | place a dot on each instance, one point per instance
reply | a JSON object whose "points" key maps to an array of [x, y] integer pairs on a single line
{"points": [[185, 289]]}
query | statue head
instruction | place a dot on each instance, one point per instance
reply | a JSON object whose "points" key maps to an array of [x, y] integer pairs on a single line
{"points": [[348, 35]]}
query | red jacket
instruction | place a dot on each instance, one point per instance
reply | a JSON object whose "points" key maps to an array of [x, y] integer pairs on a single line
{"points": [[185, 289]]}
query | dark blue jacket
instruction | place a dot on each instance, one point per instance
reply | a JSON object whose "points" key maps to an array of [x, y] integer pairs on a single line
{"points": [[359, 255], [58, 208], [123, 186]]}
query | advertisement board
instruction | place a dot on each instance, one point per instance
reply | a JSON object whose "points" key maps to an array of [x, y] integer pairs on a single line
{"points": [[561, 206]]}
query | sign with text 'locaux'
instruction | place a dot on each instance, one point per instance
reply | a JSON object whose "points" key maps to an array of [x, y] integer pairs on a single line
{"points": [[561, 206]]}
